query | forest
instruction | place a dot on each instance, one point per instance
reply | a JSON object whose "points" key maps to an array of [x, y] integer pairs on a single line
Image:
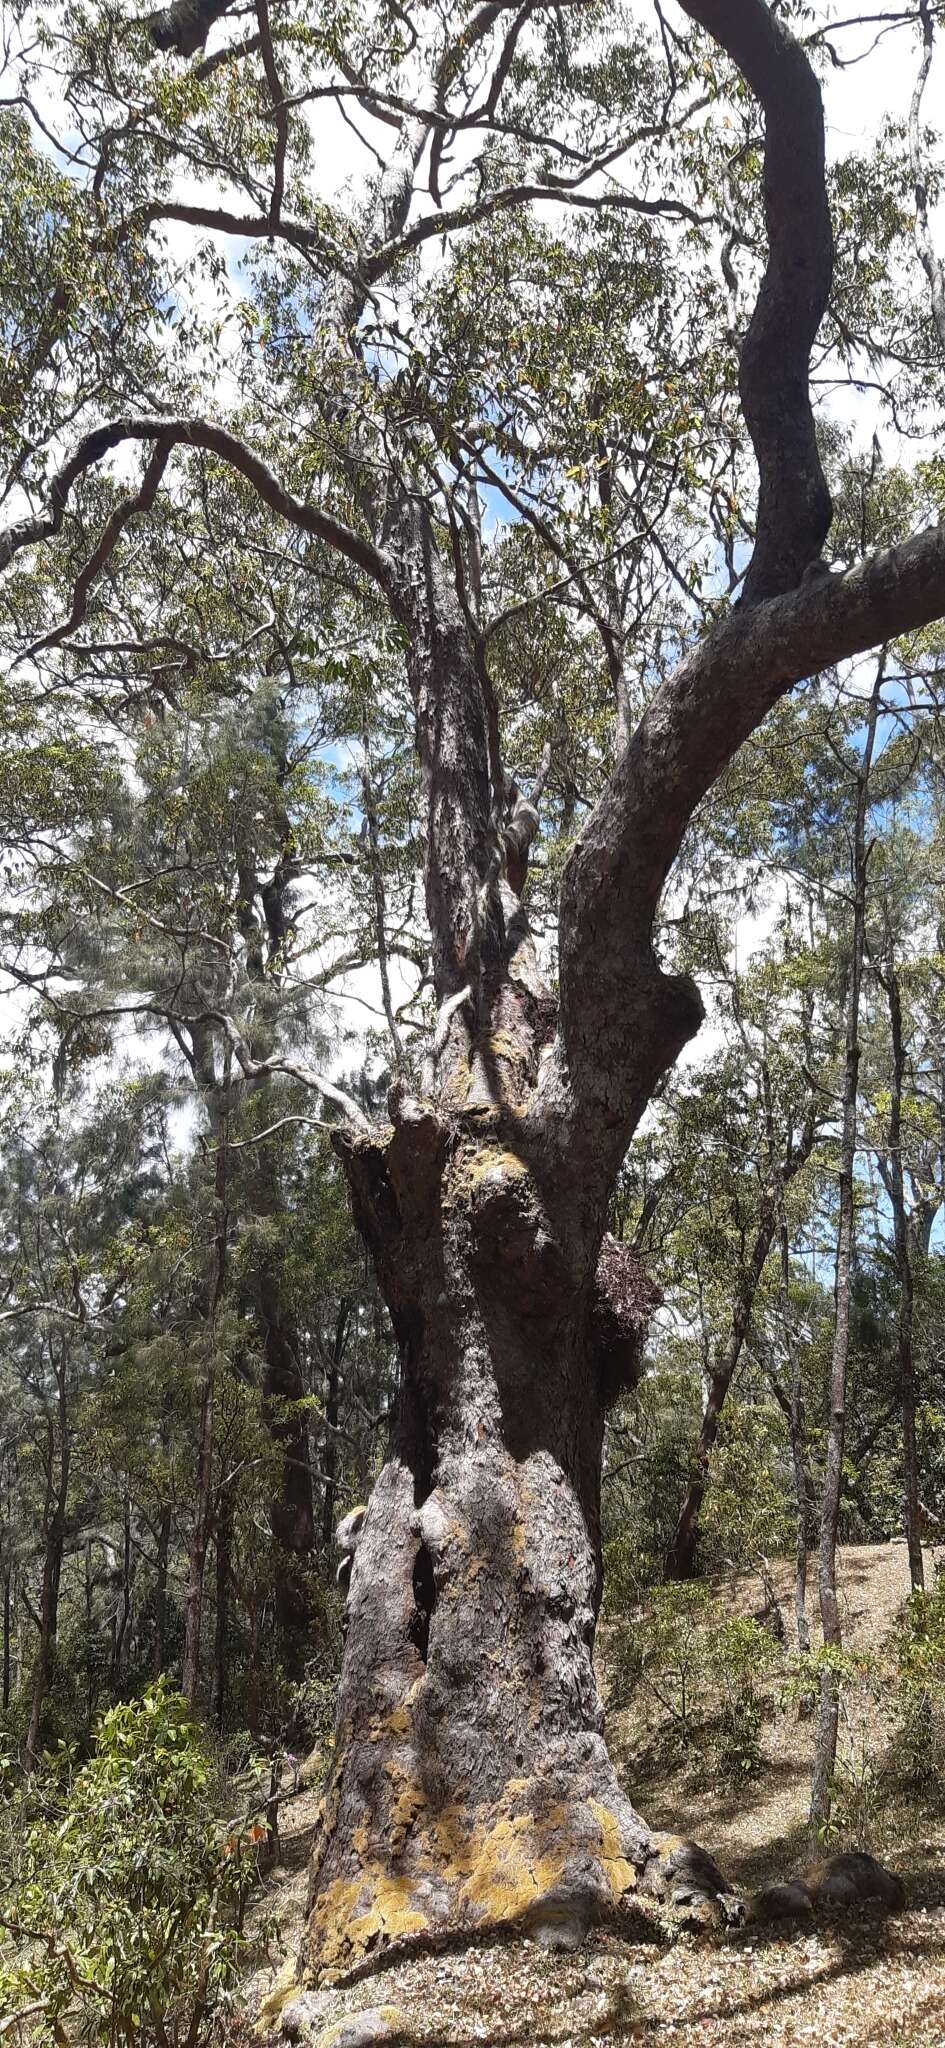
{"points": [[472, 1023]]}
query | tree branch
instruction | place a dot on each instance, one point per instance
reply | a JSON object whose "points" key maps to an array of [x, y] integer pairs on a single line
{"points": [[139, 501], [930, 261], [193, 433], [623, 1022], [794, 507]]}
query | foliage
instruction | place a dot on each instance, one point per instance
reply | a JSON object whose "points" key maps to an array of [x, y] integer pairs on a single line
{"points": [[919, 1648], [126, 1899], [742, 1654]]}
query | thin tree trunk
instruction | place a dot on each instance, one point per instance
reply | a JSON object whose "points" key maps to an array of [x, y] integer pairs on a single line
{"points": [[889, 979], [224, 1539], [292, 1508], [794, 1410], [681, 1560], [203, 1494], [828, 1712], [54, 1525], [199, 1542], [123, 1615], [7, 1624], [162, 1555], [160, 1590], [332, 1411]]}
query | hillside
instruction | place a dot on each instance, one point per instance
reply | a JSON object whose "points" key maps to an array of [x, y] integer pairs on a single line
{"points": [[854, 1980]]}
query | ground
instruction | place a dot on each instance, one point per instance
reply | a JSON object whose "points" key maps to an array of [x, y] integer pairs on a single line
{"points": [[852, 1980]]}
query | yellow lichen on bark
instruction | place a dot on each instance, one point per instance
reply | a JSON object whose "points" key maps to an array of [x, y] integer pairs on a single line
{"points": [[425, 1872], [351, 1915], [478, 1164], [621, 1874]]}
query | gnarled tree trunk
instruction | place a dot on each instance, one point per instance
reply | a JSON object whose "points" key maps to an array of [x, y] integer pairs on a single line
{"points": [[472, 1780]]}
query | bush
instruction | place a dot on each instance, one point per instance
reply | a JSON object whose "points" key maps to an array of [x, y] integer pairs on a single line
{"points": [[124, 1914], [919, 1645], [674, 1651], [741, 1654]]}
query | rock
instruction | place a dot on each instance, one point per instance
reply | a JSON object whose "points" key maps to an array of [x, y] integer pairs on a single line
{"points": [[375, 2024], [274, 2003], [300, 2018], [782, 1902], [700, 1916], [847, 1879], [363, 2029], [559, 1921], [683, 1872]]}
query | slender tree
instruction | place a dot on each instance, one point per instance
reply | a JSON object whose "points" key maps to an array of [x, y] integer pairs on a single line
{"points": [[828, 1713]]}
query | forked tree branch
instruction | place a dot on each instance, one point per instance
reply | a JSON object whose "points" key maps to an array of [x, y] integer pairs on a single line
{"points": [[193, 433]]}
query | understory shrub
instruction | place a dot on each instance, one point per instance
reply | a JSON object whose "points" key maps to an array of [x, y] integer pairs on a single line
{"points": [[919, 1647], [699, 1664], [121, 1917], [741, 1655]]}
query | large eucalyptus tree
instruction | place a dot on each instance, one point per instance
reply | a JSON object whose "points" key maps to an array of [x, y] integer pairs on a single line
{"points": [[471, 1782]]}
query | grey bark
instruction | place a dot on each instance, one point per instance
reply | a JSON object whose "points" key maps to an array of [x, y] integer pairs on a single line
{"points": [[828, 1709], [902, 1236]]}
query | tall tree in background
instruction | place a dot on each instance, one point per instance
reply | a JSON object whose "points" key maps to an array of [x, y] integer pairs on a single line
{"points": [[470, 1780]]}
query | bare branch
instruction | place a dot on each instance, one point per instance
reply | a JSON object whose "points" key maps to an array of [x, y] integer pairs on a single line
{"points": [[139, 501], [193, 433], [297, 1070], [794, 507], [279, 113], [931, 262]]}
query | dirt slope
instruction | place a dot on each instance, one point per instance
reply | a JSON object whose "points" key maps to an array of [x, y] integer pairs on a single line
{"points": [[854, 1981]]}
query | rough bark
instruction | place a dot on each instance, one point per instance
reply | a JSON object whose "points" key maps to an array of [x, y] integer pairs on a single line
{"points": [[471, 1782]]}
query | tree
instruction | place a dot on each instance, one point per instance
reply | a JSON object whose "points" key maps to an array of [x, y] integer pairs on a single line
{"points": [[829, 1702], [470, 1780], [754, 1082]]}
